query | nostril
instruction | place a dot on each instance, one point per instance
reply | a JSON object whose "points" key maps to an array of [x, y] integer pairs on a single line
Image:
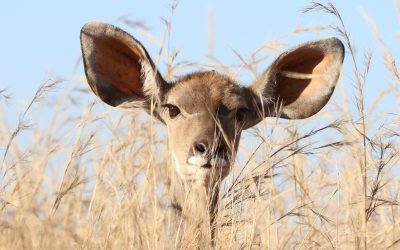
{"points": [[200, 147], [221, 150]]}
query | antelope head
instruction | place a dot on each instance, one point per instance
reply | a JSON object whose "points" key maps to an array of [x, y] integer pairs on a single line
{"points": [[205, 112]]}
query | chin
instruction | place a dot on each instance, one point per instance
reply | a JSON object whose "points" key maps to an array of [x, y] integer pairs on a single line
{"points": [[203, 175]]}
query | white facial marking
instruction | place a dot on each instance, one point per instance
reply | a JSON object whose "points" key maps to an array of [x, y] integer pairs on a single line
{"points": [[194, 115], [197, 160], [148, 76]]}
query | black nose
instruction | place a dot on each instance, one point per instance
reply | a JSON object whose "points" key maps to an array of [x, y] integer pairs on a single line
{"points": [[200, 148]]}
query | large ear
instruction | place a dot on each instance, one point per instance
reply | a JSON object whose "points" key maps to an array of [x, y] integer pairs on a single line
{"points": [[118, 68], [301, 81]]}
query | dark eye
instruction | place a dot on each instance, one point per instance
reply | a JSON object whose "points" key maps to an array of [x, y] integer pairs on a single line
{"points": [[172, 110], [240, 114]]}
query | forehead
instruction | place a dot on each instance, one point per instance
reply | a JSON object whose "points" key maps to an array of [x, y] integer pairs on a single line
{"points": [[207, 90]]}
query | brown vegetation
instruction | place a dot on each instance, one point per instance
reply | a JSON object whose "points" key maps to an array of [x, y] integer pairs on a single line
{"points": [[96, 179]]}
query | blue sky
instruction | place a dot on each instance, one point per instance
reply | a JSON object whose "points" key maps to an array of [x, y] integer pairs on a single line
{"points": [[40, 39]]}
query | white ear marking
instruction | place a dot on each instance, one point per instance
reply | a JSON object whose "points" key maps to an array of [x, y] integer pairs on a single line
{"points": [[148, 77], [132, 104]]}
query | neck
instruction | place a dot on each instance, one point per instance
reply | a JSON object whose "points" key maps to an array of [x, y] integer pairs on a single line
{"points": [[197, 207], [191, 198]]}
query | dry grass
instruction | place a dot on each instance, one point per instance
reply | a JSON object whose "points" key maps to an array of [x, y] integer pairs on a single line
{"points": [[92, 178]]}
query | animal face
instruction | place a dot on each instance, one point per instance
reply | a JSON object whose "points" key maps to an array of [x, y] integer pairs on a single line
{"points": [[205, 112]]}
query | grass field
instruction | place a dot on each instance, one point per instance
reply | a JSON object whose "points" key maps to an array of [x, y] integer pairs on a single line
{"points": [[85, 176]]}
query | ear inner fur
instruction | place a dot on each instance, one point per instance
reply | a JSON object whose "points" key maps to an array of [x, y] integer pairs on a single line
{"points": [[114, 64], [302, 79], [289, 89], [118, 65]]}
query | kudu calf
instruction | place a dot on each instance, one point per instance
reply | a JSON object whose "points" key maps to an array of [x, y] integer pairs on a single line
{"points": [[205, 112]]}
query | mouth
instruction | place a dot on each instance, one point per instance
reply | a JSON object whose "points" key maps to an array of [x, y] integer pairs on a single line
{"points": [[199, 169], [207, 166], [198, 161]]}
